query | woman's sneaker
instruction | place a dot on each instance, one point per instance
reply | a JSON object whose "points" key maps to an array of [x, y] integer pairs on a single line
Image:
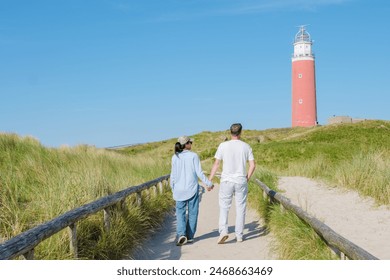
{"points": [[181, 241]]}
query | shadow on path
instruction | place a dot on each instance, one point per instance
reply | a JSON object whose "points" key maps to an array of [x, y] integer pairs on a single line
{"points": [[253, 230]]}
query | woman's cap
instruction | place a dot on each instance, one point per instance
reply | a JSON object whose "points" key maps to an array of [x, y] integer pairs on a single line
{"points": [[184, 140]]}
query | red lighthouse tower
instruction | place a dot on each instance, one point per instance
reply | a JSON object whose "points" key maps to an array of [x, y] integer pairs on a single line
{"points": [[304, 107]]}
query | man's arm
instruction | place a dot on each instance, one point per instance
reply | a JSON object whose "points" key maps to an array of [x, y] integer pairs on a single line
{"points": [[251, 170], [214, 169]]}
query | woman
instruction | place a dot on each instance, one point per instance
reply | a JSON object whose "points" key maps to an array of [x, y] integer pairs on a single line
{"points": [[186, 170]]}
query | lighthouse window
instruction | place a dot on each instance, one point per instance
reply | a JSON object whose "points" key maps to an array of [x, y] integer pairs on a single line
{"points": [[300, 76]]}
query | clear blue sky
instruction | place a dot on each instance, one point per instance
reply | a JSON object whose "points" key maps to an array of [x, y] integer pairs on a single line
{"points": [[113, 72]]}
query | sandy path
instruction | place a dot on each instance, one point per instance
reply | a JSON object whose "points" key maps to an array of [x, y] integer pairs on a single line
{"points": [[161, 245], [348, 214]]}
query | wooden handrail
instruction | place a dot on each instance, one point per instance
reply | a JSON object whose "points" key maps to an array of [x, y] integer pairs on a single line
{"points": [[335, 241], [24, 243]]}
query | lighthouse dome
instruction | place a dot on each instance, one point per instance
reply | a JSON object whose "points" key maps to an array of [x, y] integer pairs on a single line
{"points": [[302, 35]]}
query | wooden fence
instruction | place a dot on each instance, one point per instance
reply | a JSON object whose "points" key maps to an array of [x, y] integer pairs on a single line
{"points": [[344, 248], [24, 243]]}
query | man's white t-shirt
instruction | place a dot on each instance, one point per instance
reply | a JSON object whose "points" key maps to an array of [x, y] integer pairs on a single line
{"points": [[235, 154]]}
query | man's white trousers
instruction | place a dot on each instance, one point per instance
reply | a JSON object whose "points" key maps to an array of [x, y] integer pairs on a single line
{"points": [[226, 192]]}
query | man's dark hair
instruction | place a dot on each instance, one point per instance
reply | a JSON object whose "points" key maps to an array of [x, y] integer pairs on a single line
{"points": [[235, 129]]}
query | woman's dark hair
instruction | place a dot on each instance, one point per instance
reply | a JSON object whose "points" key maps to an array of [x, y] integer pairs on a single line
{"points": [[178, 148]]}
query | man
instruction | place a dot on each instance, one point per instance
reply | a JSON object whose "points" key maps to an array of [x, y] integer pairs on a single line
{"points": [[234, 180]]}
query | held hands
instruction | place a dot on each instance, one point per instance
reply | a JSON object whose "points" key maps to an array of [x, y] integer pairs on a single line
{"points": [[210, 188]]}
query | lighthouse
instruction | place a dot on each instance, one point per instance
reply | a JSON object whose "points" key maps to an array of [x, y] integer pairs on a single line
{"points": [[304, 106]]}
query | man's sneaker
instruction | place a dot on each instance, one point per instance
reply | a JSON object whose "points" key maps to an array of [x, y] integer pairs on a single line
{"points": [[181, 241], [222, 238], [239, 239], [190, 240]]}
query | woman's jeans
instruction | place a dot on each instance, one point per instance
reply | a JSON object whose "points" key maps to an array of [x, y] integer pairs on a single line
{"points": [[187, 226]]}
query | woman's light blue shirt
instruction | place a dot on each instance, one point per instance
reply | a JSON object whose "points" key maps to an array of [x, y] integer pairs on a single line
{"points": [[186, 170]]}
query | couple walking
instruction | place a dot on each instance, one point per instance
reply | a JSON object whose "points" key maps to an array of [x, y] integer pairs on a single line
{"points": [[186, 169]]}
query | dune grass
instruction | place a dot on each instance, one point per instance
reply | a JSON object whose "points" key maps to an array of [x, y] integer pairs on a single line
{"points": [[38, 184]]}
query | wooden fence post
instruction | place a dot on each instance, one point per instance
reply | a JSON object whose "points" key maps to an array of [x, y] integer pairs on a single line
{"points": [[167, 182], [123, 204], [343, 256], [160, 187], [282, 209], [29, 255], [73, 240], [335, 251], [154, 190], [272, 199], [106, 217], [139, 199]]}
